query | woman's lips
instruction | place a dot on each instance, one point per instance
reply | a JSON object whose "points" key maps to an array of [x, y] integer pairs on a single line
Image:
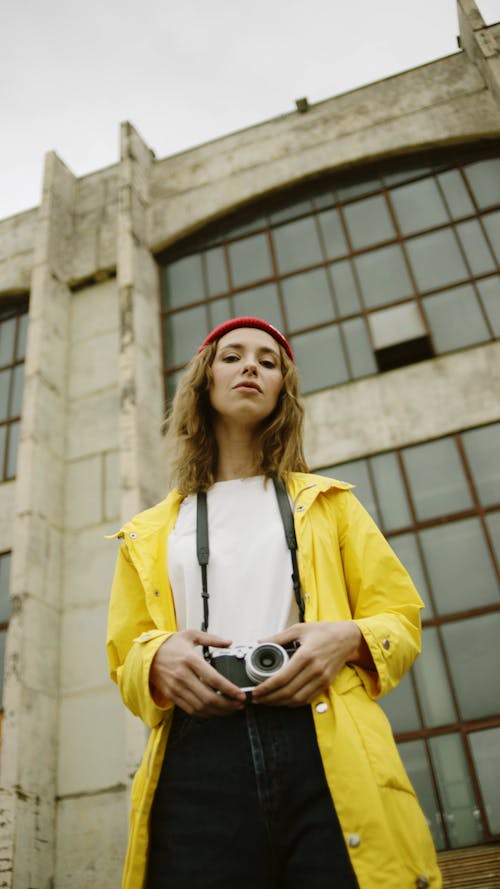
{"points": [[253, 386]]}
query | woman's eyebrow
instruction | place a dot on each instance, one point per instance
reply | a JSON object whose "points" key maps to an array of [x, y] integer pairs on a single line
{"points": [[261, 350]]}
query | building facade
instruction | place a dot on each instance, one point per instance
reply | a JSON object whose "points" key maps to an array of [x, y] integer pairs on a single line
{"points": [[367, 227]]}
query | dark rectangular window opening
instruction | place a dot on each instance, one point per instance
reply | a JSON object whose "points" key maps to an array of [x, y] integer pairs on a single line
{"points": [[407, 352]]}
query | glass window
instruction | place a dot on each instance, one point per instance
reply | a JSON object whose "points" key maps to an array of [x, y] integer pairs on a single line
{"points": [[391, 493], [3, 639], [261, 301], [456, 195], [399, 176], [320, 201], [418, 205], [356, 473], [333, 235], [22, 332], [320, 358], [182, 282], [493, 523], [432, 684], [396, 325], [297, 245], [216, 271], [414, 757], [482, 447], [3, 447], [346, 292], [463, 825], [436, 260], [361, 359], [485, 748], [220, 311], [173, 378], [183, 334], [475, 247], [250, 260], [383, 276], [489, 289], [484, 178], [437, 479], [244, 228], [400, 707], [5, 605], [455, 319], [357, 189], [7, 341], [368, 222], [290, 211], [472, 648], [308, 299], [16, 391], [406, 548], [5, 376], [492, 226], [459, 565]]}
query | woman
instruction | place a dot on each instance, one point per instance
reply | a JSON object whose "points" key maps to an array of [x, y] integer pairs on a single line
{"points": [[294, 780]]}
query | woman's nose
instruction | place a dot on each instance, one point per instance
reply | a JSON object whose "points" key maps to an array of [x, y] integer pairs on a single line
{"points": [[250, 366]]}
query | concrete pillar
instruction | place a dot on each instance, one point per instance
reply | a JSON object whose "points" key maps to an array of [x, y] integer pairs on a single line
{"points": [[480, 44], [30, 728]]}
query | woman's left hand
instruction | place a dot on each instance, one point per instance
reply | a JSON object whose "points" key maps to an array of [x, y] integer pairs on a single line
{"points": [[325, 648]]}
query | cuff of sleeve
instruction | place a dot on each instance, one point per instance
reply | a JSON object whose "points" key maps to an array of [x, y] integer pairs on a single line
{"points": [[371, 679], [139, 698]]}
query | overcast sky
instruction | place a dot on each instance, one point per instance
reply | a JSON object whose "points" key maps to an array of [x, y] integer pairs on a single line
{"points": [[187, 71]]}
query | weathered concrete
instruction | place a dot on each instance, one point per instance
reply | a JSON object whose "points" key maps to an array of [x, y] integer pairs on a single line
{"points": [[481, 44]]}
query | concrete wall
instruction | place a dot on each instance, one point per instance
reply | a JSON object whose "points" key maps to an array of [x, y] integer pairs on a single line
{"points": [[91, 445]]}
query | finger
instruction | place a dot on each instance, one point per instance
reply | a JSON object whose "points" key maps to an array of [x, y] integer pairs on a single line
{"points": [[291, 634], [216, 682], [294, 696], [201, 638]]}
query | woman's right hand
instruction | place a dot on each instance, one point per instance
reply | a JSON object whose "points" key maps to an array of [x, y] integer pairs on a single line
{"points": [[181, 675]]}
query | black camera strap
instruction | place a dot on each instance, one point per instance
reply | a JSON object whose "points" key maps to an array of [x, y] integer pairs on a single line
{"points": [[203, 550]]}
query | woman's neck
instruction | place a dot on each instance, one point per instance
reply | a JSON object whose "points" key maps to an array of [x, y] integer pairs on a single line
{"points": [[236, 454]]}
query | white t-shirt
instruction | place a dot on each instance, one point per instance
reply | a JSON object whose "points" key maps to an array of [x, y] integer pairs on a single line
{"points": [[249, 569]]}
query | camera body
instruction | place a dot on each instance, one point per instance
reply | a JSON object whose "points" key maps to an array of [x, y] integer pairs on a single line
{"points": [[248, 665]]}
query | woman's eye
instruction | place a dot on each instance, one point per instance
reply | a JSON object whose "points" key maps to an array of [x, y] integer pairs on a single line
{"points": [[267, 363], [228, 358]]}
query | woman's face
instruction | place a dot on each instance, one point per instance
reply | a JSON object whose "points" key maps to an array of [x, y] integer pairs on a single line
{"points": [[246, 376]]}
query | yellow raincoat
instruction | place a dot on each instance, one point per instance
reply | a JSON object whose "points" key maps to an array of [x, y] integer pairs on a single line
{"points": [[348, 571]]}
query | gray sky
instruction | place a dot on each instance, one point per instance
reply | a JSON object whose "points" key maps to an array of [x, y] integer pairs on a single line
{"points": [[187, 71]]}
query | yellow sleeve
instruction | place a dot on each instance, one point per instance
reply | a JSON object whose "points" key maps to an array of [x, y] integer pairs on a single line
{"points": [[384, 601], [132, 642]]}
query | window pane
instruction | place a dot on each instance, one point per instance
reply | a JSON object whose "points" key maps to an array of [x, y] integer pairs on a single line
{"points": [[436, 260], [183, 334], [16, 392], [308, 299], [484, 177], [216, 271], [396, 325], [323, 200], [492, 225], [464, 827], [356, 473], [369, 222], [297, 245], [475, 246], [392, 179], [459, 566], [5, 604], [485, 748], [383, 276], [320, 358], [432, 684], [406, 548], [361, 358], [456, 194], [12, 448], [356, 189], [261, 301], [4, 393], [489, 289], [391, 493], [493, 523], [3, 637], [472, 648], [183, 282], [482, 447], [290, 211], [455, 319], [250, 260], [3, 444], [437, 479], [418, 206], [7, 341], [333, 235], [22, 330], [416, 764], [346, 292], [400, 707], [173, 378], [220, 311], [244, 228]]}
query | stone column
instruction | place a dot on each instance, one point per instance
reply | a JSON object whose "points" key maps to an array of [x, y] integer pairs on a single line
{"points": [[30, 728], [480, 44]]}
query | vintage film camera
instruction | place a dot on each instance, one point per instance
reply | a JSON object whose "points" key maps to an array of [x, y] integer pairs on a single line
{"points": [[248, 665]]}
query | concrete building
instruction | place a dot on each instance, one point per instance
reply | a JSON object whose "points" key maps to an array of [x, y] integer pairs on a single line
{"points": [[368, 228]]}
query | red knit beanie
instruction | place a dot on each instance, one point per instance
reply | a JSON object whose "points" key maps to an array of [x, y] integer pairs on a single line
{"points": [[235, 323]]}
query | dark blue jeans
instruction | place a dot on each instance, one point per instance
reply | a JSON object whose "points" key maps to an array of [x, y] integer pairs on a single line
{"points": [[242, 802]]}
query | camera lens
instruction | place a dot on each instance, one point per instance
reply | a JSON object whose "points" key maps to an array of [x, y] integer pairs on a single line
{"points": [[264, 660]]}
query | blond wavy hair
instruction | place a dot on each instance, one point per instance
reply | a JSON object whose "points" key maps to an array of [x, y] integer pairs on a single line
{"points": [[190, 441]]}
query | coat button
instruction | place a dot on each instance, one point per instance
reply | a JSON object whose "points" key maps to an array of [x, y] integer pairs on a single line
{"points": [[422, 882], [156, 593], [322, 707], [354, 840], [133, 535], [386, 644]]}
